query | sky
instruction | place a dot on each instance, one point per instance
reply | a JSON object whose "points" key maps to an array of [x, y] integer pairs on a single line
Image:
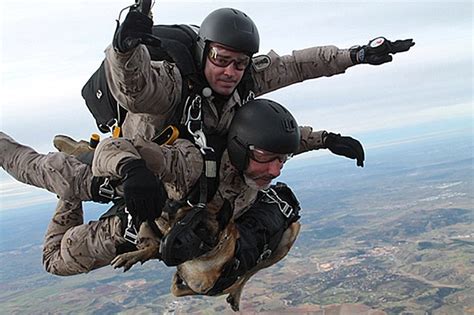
{"points": [[50, 48]]}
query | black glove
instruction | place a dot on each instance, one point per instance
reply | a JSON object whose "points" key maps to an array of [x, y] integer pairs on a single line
{"points": [[378, 50], [136, 29], [345, 146], [144, 193]]}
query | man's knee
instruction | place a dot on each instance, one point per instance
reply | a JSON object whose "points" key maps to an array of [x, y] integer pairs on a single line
{"points": [[57, 270], [54, 263], [70, 177]]}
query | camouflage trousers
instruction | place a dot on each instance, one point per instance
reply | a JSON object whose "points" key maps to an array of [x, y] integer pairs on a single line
{"points": [[70, 247]]}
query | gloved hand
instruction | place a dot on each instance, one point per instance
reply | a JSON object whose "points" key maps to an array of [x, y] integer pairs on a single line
{"points": [[378, 50], [136, 29], [345, 146], [144, 193]]}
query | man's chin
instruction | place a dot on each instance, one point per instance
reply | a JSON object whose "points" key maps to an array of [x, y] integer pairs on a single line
{"points": [[257, 184], [225, 90]]}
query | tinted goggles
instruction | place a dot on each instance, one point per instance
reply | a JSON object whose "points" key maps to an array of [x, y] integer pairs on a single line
{"points": [[263, 156], [219, 58]]}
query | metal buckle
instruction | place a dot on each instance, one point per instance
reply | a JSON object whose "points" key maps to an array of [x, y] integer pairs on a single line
{"points": [[265, 255], [199, 138], [236, 264], [111, 124], [106, 190], [272, 197], [250, 97], [194, 116], [195, 106], [131, 234]]}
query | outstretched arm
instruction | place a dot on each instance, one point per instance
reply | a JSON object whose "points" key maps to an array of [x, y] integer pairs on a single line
{"points": [[322, 61], [379, 50], [337, 144], [345, 146]]}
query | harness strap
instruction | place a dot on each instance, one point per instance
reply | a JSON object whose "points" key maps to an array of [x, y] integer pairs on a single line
{"points": [[225, 214], [118, 209], [209, 172], [187, 239], [289, 211], [254, 225]]}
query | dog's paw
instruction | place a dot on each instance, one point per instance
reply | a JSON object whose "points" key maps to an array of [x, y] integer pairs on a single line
{"points": [[234, 303], [126, 260]]}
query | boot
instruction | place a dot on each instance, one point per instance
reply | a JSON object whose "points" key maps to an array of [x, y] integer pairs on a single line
{"points": [[70, 146]]}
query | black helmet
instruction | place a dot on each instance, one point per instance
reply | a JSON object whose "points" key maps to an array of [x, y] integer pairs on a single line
{"points": [[229, 27], [264, 124]]}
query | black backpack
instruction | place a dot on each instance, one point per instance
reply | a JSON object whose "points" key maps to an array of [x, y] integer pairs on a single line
{"points": [[176, 44]]}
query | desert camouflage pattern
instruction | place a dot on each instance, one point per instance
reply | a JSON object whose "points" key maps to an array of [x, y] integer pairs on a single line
{"points": [[151, 90], [310, 140], [70, 246], [178, 166], [58, 173], [139, 85]]}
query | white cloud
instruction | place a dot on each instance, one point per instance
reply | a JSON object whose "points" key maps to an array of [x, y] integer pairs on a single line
{"points": [[17, 195], [49, 50]]}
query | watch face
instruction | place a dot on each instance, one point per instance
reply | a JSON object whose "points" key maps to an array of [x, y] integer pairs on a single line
{"points": [[377, 42], [361, 55]]}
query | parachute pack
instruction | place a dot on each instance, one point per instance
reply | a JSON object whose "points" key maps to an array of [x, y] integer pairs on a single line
{"points": [[175, 44]]}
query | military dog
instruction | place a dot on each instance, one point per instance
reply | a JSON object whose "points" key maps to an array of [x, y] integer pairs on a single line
{"points": [[201, 275], [198, 276]]}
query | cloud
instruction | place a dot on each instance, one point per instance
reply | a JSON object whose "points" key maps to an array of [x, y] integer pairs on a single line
{"points": [[49, 51], [17, 195]]}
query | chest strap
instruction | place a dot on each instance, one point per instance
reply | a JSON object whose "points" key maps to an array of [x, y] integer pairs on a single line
{"points": [[261, 228]]}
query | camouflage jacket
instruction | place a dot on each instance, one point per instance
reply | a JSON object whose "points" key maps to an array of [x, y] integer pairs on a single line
{"points": [[151, 90], [179, 166]]}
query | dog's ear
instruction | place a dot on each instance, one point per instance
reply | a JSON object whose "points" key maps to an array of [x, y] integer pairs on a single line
{"points": [[201, 274], [288, 239]]}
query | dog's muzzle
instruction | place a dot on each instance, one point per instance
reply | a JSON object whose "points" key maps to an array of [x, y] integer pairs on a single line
{"points": [[188, 239]]}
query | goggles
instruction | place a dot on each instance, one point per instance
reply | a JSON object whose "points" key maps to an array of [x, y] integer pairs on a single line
{"points": [[263, 156], [218, 58]]}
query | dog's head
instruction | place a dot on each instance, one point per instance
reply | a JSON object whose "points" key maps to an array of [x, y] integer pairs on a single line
{"points": [[199, 275]]}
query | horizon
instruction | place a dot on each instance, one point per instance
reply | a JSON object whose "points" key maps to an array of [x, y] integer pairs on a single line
{"points": [[423, 91]]}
